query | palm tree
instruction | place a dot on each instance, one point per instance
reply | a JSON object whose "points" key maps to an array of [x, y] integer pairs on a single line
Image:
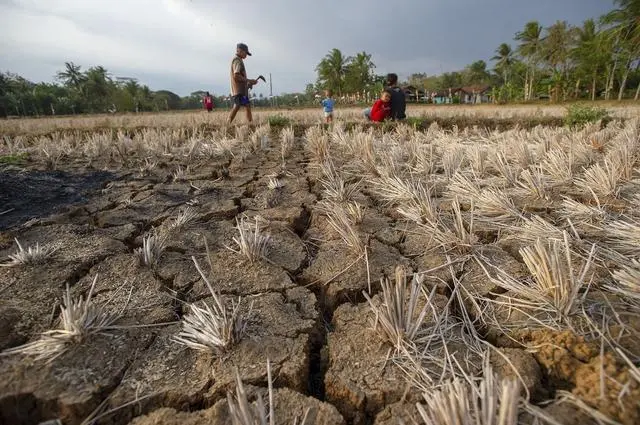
{"points": [[556, 49], [332, 69], [477, 72], [132, 87], [529, 49], [74, 79], [624, 25], [98, 83], [504, 61], [591, 53], [71, 76], [358, 74]]}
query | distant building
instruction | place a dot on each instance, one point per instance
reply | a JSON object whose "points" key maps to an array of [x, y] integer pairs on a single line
{"points": [[442, 96], [474, 94], [414, 94], [467, 95]]}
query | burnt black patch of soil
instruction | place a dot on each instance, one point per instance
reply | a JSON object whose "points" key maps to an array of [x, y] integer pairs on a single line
{"points": [[36, 194]]}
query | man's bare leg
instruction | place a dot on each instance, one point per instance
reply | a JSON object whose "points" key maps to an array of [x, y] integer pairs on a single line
{"points": [[233, 113], [249, 117]]}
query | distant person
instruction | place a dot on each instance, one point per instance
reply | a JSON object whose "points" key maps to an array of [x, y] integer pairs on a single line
{"points": [[240, 84], [398, 100], [381, 110], [208, 102], [327, 106]]}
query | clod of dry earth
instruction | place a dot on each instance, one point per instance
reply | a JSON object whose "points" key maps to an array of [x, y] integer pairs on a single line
{"points": [[571, 363], [394, 413], [513, 363], [30, 294], [361, 379], [342, 276], [288, 406], [71, 386]]}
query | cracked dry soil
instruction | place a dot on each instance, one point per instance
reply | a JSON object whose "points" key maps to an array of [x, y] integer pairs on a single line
{"points": [[304, 302]]}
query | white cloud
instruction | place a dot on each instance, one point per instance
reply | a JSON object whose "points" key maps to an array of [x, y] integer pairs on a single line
{"points": [[186, 45], [164, 38]]}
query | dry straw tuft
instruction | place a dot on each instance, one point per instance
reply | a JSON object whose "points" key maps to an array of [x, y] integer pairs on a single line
{"points": [[32, 255], [583, 214], [559, 165], [274, 183], [623, 237], [534, 182], [152, 248], [557, 288], [287, 138], [213, 327], [400, 315], [251, 242], [462, 402], [79, 319], [343, 225], [628, 281], [452, 160], [604, 181], [317, 143], [506, 170], [244, 412], [496, 209], [185, 217], [335, 187], [478, 158]]}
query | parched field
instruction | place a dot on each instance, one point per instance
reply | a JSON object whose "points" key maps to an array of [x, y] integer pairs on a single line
{"points": [[167, 269], [461, 114]]}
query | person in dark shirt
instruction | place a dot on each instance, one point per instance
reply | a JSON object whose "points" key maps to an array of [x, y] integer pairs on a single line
{"points": [[398, 100]]}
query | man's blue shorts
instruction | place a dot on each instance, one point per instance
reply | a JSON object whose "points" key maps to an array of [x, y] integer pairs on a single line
{"points": [[240, 100]]}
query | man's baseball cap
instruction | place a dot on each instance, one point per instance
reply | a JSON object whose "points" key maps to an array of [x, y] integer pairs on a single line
{"points": [[244, 47]]}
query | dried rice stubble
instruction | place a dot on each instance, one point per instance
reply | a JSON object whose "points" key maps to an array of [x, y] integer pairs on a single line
{"points": [[556, 297], [80, 318], [496, 210]]}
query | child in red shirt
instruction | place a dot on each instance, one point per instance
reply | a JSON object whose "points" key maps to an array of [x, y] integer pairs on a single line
{"points": [[381, 109]]}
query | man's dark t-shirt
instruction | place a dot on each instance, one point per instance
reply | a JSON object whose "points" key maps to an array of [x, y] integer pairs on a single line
{"points": [[398, 104]]}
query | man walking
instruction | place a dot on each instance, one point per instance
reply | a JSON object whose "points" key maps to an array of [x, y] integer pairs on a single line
{"points": [[240, 84], [398, 100]]}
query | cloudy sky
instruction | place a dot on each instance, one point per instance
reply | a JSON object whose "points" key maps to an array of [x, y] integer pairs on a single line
{"points": [[187, 45]]}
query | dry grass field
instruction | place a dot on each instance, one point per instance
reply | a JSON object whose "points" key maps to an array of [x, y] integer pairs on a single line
{"points": [[182, 120], [168, 269]]}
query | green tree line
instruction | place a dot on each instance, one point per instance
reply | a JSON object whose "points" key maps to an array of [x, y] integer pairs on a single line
{"points": [[92, 91], [599, 59]]}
